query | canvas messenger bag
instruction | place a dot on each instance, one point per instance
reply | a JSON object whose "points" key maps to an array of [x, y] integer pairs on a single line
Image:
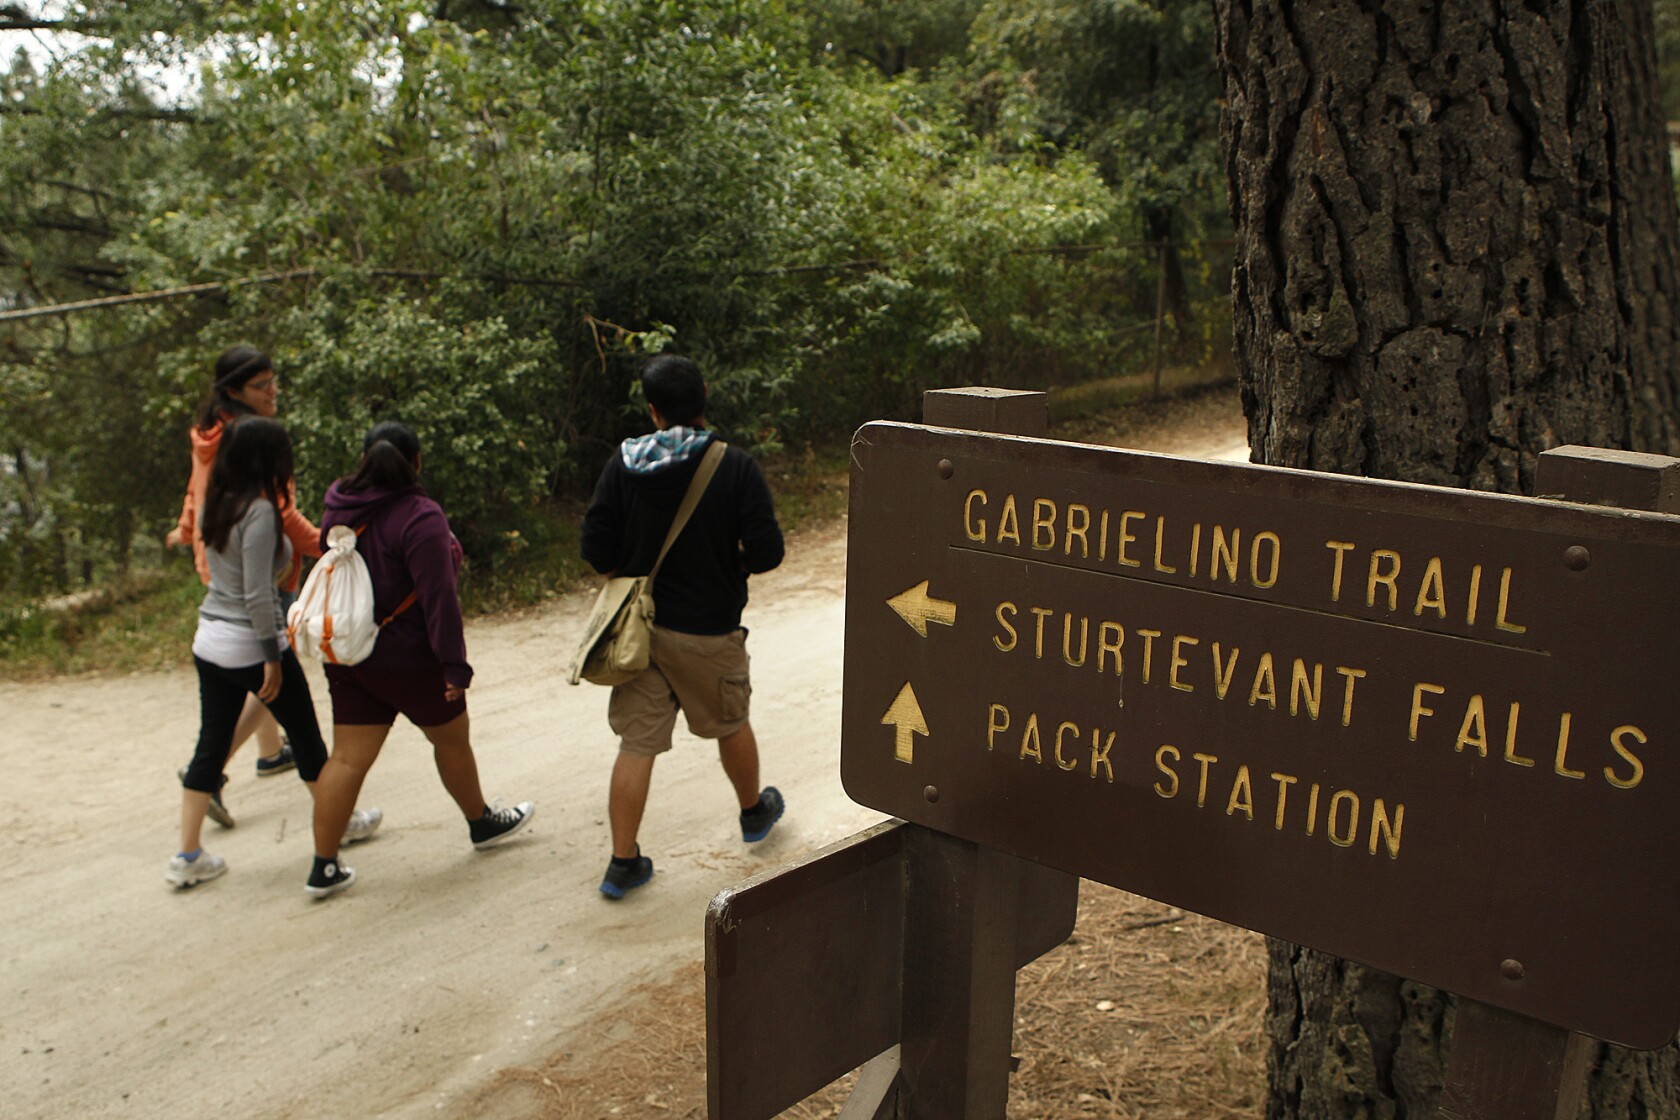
{"points": [[619, 634]]}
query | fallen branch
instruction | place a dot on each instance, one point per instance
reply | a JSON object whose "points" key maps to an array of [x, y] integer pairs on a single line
{"points": [[1162, 921], [21, 313], [220, 286]]}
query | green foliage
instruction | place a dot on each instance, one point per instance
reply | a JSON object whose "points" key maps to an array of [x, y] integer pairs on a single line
{"points": [[478, 217], [951, 289], [892, 36], [1130, 82], [811, 486], [471, 390], [128, 626], [1667, 14], [531, 565]]}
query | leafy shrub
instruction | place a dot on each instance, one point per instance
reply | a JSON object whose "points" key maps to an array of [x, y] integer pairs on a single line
{"points": [[471, 390]]}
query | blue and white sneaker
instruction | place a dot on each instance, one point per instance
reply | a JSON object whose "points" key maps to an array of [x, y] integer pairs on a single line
{"points": [[184, 872]]}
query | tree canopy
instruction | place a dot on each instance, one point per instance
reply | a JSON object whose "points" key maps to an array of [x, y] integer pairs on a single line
{"points": [[476, 214]]}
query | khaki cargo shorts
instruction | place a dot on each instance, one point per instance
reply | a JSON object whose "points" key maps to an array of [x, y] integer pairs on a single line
{"points": [[705, 675]]}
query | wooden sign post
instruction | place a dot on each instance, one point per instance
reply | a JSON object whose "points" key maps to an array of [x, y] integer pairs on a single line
{"points": [[1503, 1064], [895, 950], [959, 991]]}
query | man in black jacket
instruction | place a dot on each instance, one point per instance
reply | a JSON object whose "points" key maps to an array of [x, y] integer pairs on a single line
{"points": [[699, 655]]}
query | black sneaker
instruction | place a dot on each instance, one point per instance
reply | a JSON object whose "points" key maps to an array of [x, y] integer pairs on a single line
{"points": [[757, 822], [283, 761], [330, 878], [497, 825], [621, 878], [216, 811]]}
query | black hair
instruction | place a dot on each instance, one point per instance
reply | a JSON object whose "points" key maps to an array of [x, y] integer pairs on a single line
{"points": [[235, 366], [254, 461], [390, 459], [673, 385]]}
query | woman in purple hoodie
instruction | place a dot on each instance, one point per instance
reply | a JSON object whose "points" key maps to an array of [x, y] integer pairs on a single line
{"points": [[418, 667]]}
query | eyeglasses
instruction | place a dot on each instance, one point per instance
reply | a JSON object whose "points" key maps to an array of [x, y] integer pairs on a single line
{"points": [[263, 384]]}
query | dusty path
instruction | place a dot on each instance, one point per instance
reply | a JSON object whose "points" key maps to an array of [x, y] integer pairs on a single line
{"points": [[122, 998]]}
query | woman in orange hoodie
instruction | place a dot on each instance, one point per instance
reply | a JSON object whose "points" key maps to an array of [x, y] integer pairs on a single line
{"points": [[244, 385]]}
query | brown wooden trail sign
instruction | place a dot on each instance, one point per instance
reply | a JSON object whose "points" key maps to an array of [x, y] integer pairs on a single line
{"points": [[1426, 729], [1430, 730]]}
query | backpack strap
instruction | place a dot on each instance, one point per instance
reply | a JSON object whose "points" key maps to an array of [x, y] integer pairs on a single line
{"points": [[696, 487], [402, 606]]}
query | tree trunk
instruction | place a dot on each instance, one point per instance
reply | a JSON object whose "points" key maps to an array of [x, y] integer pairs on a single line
{"points": [[1160, 225], [1456, 248], [61, 562], [123, 544], [1456, 234], [1346, 1041]]}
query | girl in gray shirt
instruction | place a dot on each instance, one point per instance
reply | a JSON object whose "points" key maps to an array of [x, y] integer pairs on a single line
{"points": [[240, 648]]}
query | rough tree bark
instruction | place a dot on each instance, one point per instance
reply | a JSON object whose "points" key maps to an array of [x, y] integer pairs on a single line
{"points": [[1456, 247]]}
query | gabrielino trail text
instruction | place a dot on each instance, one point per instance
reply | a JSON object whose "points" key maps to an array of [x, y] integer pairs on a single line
{"points": [[1346, 572], [1522, 722]]}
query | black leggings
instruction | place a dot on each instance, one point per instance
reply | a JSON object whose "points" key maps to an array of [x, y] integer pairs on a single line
{"points": [[221, 697]]}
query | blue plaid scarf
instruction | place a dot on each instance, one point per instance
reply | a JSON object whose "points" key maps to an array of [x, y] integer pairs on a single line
{"points": [[659, 450]]}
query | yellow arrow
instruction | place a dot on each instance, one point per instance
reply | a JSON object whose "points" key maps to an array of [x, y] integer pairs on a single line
{"points": [[906, 719], [918, 608]]}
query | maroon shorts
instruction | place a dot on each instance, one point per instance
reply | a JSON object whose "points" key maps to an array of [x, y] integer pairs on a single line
{"points": [[375, 697]]}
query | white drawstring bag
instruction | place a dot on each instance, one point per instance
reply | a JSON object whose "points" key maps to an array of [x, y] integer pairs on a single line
{"points": [[332, 620]]}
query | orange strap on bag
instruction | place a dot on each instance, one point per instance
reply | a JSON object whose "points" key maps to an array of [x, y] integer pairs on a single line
{"points": [[311, 628]]}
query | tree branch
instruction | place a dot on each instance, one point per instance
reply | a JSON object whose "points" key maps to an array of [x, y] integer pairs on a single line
{"points": [[221, 287], [104, 270], [98, 277], [30, 504], [78, 188], [14, 18], [186, 14], [62, 223], [178, 116]]}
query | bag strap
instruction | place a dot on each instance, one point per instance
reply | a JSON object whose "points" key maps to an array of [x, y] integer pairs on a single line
{"points": [[401, 607], [413, 594], [696, 487]]}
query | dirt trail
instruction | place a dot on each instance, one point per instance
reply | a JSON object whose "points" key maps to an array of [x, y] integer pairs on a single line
{"points": [[122, 998]]}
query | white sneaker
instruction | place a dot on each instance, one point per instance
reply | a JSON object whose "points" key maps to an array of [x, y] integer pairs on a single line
{"points": [[184, 872], [363, 824]]}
